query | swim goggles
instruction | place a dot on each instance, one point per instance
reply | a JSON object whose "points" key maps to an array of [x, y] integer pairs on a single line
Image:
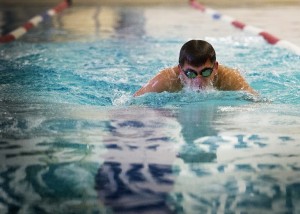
{"points": [[192, 74]]}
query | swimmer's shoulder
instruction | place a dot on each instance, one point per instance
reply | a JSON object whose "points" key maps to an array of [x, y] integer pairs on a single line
{"points": [[170, 78], [224, 70], [227, 78], [231, 79], [166, 80], [170, 72]]}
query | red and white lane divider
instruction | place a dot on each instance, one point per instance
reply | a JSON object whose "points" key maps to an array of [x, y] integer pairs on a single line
{"points": [[35, 21], [273, 40]]}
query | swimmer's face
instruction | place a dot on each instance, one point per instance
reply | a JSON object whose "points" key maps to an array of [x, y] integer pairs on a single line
{"points": [[199, 77]]}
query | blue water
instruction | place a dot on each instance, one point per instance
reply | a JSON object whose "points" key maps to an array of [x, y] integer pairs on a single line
{"points": [[74, 140]]}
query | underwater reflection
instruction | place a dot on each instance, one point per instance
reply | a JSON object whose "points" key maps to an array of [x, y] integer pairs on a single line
{"points": [[137, 175], [225, 168], [196, 122], [206, 167], [144, 145], [188, 159]]}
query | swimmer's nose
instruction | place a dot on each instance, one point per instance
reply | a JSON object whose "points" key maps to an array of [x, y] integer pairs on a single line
{"points": [[199, 79], [198, 82]]}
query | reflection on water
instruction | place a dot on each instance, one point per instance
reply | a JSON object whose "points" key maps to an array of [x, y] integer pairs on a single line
{"points": [[99, 21], [76, 23], [166, 160], [250, 171], [137, 174], [82, 158]]}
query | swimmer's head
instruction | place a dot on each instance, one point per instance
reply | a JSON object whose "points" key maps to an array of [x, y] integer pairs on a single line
{"points": [[197, 64], [196, 53]]}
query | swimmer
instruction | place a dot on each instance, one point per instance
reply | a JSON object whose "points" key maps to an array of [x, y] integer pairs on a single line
{"points": [[197, 70]]}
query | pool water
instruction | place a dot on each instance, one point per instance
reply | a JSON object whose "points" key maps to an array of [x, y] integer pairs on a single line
{"points": [[75, 140]]}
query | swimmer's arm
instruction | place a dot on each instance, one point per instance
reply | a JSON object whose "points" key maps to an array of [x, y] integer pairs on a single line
{"points": [[154, 85], [163, 81]]}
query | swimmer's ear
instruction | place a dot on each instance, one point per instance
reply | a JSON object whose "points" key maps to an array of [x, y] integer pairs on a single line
{"points": [[216, 65]]}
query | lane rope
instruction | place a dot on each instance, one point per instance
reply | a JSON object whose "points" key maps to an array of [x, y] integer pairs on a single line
{"points": [[35, 21], [271, 39]]}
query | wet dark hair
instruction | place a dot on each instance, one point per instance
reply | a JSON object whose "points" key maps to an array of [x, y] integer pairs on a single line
{"points": [[196, 53]]}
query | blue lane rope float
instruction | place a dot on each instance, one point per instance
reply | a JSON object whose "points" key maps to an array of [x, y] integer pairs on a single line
{"points": [[35, 21], [271, 39]]}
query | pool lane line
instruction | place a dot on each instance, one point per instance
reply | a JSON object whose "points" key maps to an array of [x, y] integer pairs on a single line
{"points": [[271, 39], [35, 21]]}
